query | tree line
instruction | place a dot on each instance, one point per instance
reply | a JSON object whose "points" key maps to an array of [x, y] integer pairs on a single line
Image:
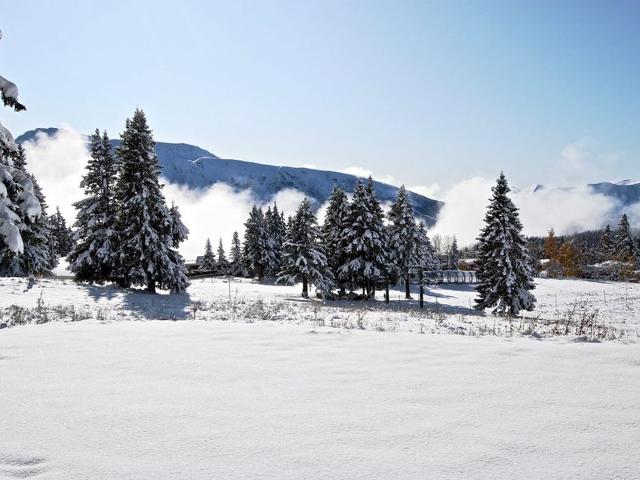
{"points": [[357, 247], [613, 253]]}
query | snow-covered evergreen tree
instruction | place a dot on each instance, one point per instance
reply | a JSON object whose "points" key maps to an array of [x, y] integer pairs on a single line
{"points": [[402, 238], [38, 257], [179, 231], [304, 256], [62, 234], [504, 270], [277, 230], [208, 263], [236, 263], [606, 249], [426, 257], [18, 202], [222, 264], [93, 257], [335, 223], [365, 240], [624, 246], [258, 252], [146, 230]]}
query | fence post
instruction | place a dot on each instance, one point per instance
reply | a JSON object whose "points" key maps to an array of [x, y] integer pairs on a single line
{"points": [[386, 290], [421, 289]]}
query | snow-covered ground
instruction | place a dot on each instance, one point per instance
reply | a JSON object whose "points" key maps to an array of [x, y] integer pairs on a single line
{"points": [[214, 400], [614, 303], [277, 392]]}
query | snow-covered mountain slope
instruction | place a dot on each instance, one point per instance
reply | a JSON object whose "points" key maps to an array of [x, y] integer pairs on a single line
{"points": [[188, 165], [624, 192]]}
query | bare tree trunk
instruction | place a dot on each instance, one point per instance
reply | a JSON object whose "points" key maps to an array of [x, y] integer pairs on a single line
{"points": [[305, 287]]}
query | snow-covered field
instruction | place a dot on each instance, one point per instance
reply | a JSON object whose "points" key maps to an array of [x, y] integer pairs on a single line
{"points": [[276, 392], [447, 307]]}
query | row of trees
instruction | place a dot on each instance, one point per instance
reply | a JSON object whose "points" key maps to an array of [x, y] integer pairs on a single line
{"points": [[617, 250], [218, 263], [356, 248], [125, 232], [353, 249]]}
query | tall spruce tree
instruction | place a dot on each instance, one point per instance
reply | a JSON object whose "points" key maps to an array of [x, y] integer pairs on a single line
{"points": [[504, 268], [236, 265], [18, 201], [146, 230], [258, 252], [335, 223], [426, 256], [364, 240], [93, 256], [606, 248], [402, 238], [304, 256], [624, 246], [222, 264], [39, 257], [62, 233], [276, 229], [208, 263], [179, 231]]}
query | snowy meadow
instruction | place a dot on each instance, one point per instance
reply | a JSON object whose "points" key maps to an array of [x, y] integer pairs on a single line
{"points": [[247, 380]]}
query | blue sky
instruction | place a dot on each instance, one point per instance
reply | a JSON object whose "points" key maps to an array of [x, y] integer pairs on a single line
{"points": [[425, 92]]}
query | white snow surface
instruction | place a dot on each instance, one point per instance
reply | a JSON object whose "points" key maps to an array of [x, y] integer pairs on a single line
{"points": [[290, 399]]}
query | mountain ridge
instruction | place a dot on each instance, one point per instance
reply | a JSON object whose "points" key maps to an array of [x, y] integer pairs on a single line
{"points": [[194, 167]]}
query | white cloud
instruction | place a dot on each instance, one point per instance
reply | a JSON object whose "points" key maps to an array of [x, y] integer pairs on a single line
{"points": [[58, 163], [585, 160], [463, 210], [564, 210], [218, 211]]}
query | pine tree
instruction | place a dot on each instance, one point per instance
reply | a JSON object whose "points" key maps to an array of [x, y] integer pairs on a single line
{"points": [[426, 258], [624, 246], [258, 253], [179, 231], [208, 263], [222, 265], [92, 257], [18, 202], [276, 229], [335, 223], [62, 234], [236, 267], [38, 257], [364, 241], [606, 248], [304, 256], [402, 238], [504, 267], [147, 232], [454, 254]]}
